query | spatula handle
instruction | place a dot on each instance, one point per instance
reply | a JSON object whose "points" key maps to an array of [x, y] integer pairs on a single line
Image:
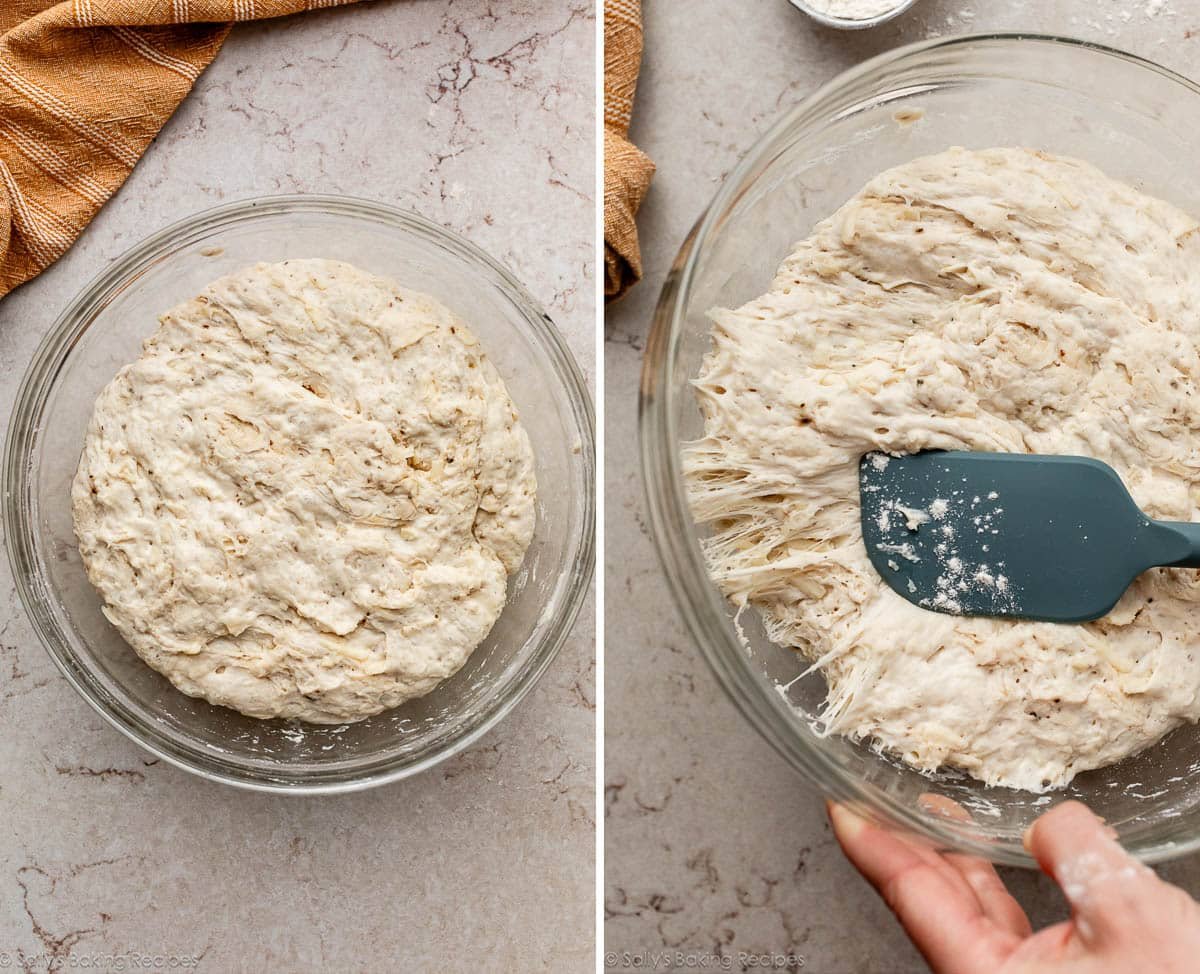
{"points": [[1186, 535]]}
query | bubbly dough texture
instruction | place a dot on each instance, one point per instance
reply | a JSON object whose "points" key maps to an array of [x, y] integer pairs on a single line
{"points": [[1001, 300], [305, 497]]}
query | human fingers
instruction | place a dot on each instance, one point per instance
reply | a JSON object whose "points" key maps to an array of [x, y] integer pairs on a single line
{"points": [[938, 909], [997, 902], [995, 899], [1108, 889]]}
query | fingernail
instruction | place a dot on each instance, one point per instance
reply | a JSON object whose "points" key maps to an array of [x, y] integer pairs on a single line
{"points": [[845, 822], [1027, 838]]}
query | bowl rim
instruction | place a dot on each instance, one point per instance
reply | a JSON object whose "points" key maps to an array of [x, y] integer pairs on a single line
{"points": [[704, 609], [848, 23], [53, 352]]}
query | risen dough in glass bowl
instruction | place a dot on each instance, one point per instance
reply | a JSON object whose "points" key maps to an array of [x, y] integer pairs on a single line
{"points": [[305, 497], [103, 330], [1135, 121]]}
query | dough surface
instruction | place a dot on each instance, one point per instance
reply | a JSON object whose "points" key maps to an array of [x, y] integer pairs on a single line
{"points": [[305, 497], [1001, 300]]}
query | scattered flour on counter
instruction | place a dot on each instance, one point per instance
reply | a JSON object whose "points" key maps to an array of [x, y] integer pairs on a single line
{"points": [[1115, 20]]}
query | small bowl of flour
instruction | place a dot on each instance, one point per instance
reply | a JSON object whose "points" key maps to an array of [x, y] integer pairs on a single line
{"points": [[853, 14]]}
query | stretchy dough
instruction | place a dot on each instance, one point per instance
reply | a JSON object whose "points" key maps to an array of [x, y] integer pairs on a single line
{"points": [[305, 497], [1000, 300]]}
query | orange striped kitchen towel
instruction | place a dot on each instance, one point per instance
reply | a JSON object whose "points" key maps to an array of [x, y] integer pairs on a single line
{"points": [[85, 85], [627, 170]]}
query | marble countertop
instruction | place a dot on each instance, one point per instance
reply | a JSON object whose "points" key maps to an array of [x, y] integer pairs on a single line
{"points": [[481, 117], [712, 842]]}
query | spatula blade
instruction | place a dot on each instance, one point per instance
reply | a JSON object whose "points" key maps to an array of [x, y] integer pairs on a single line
{"points": [[1050, 538]]}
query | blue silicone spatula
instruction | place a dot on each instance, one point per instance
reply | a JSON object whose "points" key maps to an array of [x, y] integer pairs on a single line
{"points": [[1052, 538]]}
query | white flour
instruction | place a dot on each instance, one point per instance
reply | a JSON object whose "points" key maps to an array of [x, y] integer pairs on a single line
{"points": [[853, 9], [957, 575]]}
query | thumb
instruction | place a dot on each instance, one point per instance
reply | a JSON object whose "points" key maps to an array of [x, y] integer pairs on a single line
{"points": [[1107, 888]]}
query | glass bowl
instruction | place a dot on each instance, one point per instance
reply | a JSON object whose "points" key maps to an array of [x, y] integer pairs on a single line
{"points": [[103, 329], [1133, 119]]}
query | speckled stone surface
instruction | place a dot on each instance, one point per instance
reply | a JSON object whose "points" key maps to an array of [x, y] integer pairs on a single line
{"points": [[480, 116], [712, 843]]}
